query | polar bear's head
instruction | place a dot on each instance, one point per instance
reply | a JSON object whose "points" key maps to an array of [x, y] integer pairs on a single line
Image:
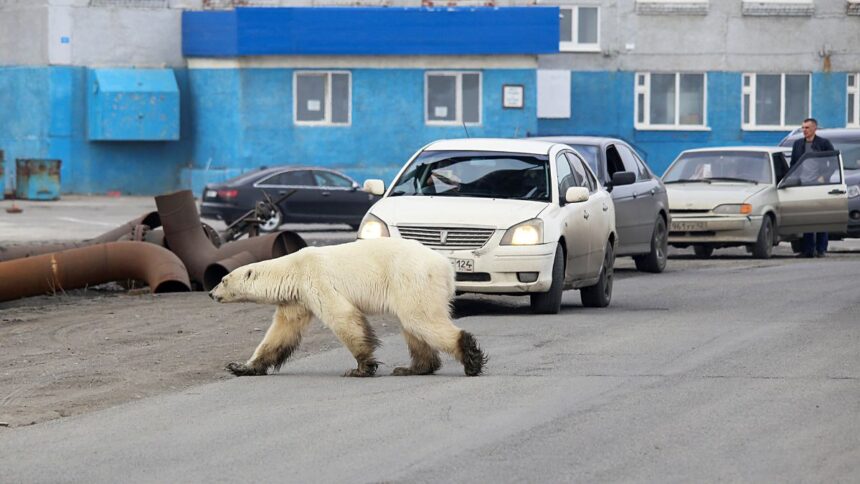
{"points": [[241, 285]]}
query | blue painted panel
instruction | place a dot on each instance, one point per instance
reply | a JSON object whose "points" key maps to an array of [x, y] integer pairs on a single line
{"points": [[370, 31], [829, 99], [133, 105]]}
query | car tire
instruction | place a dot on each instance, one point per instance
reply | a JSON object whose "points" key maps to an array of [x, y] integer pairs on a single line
{"points": [[272, 223], [655, 261], [550, 302], [763, 247], [600, 294], [703, 251]]}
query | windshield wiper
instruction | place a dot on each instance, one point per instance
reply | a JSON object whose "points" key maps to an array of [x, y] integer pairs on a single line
{"points": [[700, 180], [728, 178]]}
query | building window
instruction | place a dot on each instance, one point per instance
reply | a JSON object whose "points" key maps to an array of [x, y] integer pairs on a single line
{"points": [[452, 98], [853, 100], [322, 98], [775, 8], [670, 101], [672, 7], [579, 29], [775, 101]]}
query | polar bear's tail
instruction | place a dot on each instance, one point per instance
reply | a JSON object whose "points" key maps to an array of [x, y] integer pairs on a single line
{"points": [[473, 358]]}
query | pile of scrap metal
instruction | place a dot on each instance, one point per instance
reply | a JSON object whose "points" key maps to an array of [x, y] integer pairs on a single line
{"points": [[170, 250]]}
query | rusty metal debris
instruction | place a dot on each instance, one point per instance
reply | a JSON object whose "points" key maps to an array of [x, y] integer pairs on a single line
{"points": [[170, 250]]}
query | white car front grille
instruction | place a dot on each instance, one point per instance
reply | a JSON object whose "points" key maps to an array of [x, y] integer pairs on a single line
{"points": [[447, 237]]}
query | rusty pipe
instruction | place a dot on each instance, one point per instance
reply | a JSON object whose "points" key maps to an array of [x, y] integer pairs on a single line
{"points": [[217, 270], [181, 223], [96, 264], [150, 219]]}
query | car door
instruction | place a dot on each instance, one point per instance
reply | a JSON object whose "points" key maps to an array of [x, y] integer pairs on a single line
{"points": [[576, 223], [813, 196], [626, 217], [340, 200], [298, 207], [643, 209], [596, 212]]}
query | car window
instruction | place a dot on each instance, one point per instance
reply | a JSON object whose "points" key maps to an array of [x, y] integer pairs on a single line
{"points": [[850, 153], [780, 166], [517, 176], [613, 161], [300, 178], [729, 166], [644, 171], [629, 161], [330, 179], [589, 153], [580, 173], [566, 176], [815, 170]]}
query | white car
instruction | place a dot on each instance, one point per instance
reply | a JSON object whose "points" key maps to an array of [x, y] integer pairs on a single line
{"points": [[513, 216], [747, 195]]}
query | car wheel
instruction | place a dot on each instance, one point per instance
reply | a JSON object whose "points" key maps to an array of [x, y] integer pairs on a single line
{"points": [[550, 302], [272, 223], [763, 247], [703, 251], [600, 294], [655, 261]]}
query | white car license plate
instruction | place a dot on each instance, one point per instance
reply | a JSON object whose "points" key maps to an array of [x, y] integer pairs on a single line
{"points": [[463, 265], [688, 226], [211, 193]]}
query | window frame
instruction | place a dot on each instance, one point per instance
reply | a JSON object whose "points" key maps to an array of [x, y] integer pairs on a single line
{"points": [[748, 96], [327, 114], [645, 89], [458, 98], [855, 91], [574, 45]]}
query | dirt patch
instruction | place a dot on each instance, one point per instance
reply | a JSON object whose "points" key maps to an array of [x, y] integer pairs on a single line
{"points": [[88, 350]]}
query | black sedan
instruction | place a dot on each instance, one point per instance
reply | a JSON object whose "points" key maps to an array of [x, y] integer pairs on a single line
{"points": [[321, 196]]}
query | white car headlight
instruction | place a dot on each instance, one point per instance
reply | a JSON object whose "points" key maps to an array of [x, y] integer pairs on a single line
{"points": [[733, 209], [529, 232], [854, 191], [372, 227]]}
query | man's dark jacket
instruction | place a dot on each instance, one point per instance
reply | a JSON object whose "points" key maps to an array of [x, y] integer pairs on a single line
{"points": [[818, 144]]}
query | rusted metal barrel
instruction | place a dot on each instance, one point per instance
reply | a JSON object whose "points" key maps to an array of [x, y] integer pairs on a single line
{"points": [[96, 264], [181, 223]]}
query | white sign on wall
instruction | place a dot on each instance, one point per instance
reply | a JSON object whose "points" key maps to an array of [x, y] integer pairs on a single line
{"points": [[59, 35], [512, 96], [553, 93]]}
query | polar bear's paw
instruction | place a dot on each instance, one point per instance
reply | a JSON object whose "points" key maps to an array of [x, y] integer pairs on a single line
{"points": [[365, 369], [241, 369]]}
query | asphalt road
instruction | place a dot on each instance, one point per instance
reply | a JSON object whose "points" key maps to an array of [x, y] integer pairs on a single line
{"points": [[723, 370]]}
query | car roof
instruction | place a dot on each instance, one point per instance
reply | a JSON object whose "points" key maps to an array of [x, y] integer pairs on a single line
{"points": [[766, 149], [840, 134], [581, 140], [529, 146], [266, 171]]}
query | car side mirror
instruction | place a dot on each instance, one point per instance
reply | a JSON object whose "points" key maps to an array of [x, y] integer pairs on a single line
{"points": [[789, 182], [621, 178], [576, 194], [374, 186], [355, 186]]}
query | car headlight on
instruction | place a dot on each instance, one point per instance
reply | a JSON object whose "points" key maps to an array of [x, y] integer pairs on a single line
{"points": [[854, 191], [734, 209], [372, 227], [529, 232]]}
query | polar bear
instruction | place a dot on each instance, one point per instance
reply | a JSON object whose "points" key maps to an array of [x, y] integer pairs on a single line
{"points": [[340, 284]]}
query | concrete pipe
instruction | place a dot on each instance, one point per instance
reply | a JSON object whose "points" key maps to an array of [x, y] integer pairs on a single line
{"points": [[96, 264], [181, 223], [150, 219]]}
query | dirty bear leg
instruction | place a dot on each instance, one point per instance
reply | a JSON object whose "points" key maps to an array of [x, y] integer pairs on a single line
{"points": [[353, 330], [425, 359], [282, 338], [443, 335]]}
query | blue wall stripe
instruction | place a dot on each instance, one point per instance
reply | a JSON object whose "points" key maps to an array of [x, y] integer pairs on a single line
{"points": [[370, 31]]}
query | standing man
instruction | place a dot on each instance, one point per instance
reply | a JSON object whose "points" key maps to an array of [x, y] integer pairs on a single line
{"points": [[814, 244]]}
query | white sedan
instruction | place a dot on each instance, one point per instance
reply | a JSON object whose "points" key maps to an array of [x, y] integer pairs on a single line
{"points": [[513, 216], [748, 196]]}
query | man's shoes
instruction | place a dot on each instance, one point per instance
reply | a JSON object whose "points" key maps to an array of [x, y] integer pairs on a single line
{"points": [[820, 254], [804, 255]]}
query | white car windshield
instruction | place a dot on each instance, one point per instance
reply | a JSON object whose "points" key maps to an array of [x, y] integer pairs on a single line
{"points": [[476, 174], [728, 166]]}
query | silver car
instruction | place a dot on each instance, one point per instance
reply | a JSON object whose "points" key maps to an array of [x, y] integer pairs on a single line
{"points": [[641, 208], [748, 196]]}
